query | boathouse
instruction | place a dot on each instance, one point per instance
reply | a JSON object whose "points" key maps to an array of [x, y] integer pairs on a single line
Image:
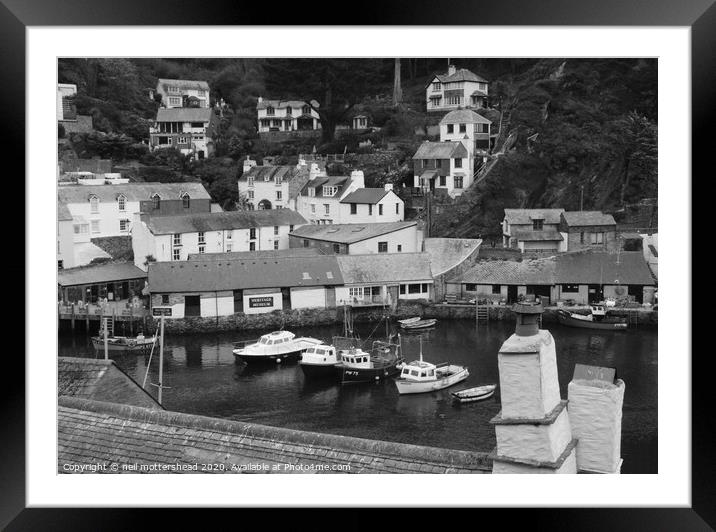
{"points": [[114, 284], [350, 239]]}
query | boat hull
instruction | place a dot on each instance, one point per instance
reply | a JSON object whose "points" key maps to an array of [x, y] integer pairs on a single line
{"points": [[359, 375], [269, 359], [409, 387], [116, 347], [422, 324], [319, 371], [566, 319], [470, 396]]}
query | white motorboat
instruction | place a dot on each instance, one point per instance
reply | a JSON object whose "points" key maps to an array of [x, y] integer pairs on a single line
{"points": [[478, 393], [319, 361], [419, 376], [276, 346]]}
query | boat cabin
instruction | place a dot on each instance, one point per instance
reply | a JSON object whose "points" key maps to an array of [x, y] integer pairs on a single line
{"points": [[356, 358], [320, 352], [276, 337], [419, 371]]}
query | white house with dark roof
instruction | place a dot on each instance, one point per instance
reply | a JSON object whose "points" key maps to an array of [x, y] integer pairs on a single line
{"points": [[465, 124], [371, 205], [183, 93], [274, 187], [174, 238], [191, 130], [65, 237], [457, 88], [443, 165], [533, 230], [319, 201], [352, 239], [286, 115]]}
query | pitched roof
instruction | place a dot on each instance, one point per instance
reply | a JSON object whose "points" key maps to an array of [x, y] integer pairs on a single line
{"points": [[385, 267], [102, 433], [440, 150], [280, 104], [99, 273], [184, 114], [528, 271], [348, 233], [267, 172], [578, 218], [594, 267], [245, 273], [101, 380], [261, 254], [366, 195], [132, 191], [464, 116], [183, 84], [446, 253], [326, 181], [217, 221], [63, 213], [526, 216], [461, 74]]}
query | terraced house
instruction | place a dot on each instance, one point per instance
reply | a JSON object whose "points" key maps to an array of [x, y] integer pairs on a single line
{"points": [[274, 187], [319, 201], [286, 115], [456, 89]]}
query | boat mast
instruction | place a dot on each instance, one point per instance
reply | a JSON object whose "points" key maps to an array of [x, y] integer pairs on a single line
{"points": [[421, 348]]}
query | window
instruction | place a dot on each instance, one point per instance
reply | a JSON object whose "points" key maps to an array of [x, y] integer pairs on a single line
{"points": [[463, 128], [424, 288], [176, 240], [174, 100], [436, 86], [201, 93], [202, 237], [60, 264], [250, 194], [95, 226], [380, 210], [356, 291], [250, 181], [413, 288], [270, 111], [229, 247], [312, 192], [458, 181], [397, 208], [426, 162], [354, 208], [336, 248], [172, 88], [229, 234], [306, 109], [482, 128], [537, 225], [370, 210], [252, 246], [597, 238], [279, 195], [442, 180], [402, 289], [289, 111], [185, 200], [277, 179], [454, 100], [252, 233], [450, 128], [165, 299], [581, 237], [313, 208], [329, 191], [183, 140], [572, 288], [275, 244], [176, 254], [306, 243], [327, 206], [121, 202], [290, 228], [400, 248], [470, 287], [155, 201], [275, 230], [202, 248], [94, 204], [382, 247], [458, 163], [124, 225], [496, 289]]}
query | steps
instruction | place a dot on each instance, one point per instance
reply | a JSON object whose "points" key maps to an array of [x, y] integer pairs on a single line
{"points": [[482, 315], [107, 323]]}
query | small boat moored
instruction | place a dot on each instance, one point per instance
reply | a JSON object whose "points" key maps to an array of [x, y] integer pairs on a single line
{"points": [[597, 318], [319, 361], [124, 344], [409, 320], [419, 376], [478, 393], [276, 346], [419, 324]]}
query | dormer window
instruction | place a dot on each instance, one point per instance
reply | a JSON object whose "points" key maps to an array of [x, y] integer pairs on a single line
{"points": [[185, 199], [156, 199], [289, 111], [537, 225], [277, 179], [329, 191], [312, 191], [306, 109], [94, 204], [122, 202], [270, 111]]}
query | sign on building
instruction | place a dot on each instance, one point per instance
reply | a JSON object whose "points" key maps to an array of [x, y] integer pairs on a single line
{"points": [[161, 311], [255, 302]]}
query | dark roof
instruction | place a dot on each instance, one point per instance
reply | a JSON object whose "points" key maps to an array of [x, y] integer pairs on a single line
{"points": [[329, 181], [217, 221], [464, 116], [261, 254], [528, 271], [625, 267], [267, 272], [582, 218], [63, 213], [446, 253], [461, 74], [101, 380], [99, 273], [385, 267], [526, 216], [184, 114], [538, 236], [440, 150], [263, 173], [102, 433], [280, 104], [348, 233], [366, 195], [132, 191], [183, 84]]}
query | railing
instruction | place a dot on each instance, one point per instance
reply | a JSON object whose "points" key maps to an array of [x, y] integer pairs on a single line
{"points": [[365, 301]]}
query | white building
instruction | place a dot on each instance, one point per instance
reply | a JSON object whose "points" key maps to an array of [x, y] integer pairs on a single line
{"points": [[465, 124], [64, 110], [174, 238], [287, 115], [319, 201], [179, 92], [371, 205], [457, 89], [191, 130], [65, 237], [274, 187], [354, 239]]}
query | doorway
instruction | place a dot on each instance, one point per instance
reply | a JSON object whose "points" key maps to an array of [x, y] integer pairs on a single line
{"points": [[511, 293], [192, 306]]}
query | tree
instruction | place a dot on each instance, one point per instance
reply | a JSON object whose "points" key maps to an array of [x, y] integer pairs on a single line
{"points": [[639, 153]]}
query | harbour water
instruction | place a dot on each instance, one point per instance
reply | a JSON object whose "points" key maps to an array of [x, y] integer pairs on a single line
{"points": [[202, 377]]}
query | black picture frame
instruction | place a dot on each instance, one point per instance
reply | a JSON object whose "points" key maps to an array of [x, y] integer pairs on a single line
{"points": [[699, 15]]}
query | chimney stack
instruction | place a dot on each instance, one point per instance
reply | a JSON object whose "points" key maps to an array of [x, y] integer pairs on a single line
{"points": [[248, 164], [358, 179], [314, 172], [260, 99], [451, 70], [388, 187]]}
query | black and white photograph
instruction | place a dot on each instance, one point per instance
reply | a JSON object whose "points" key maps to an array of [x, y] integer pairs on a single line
{"points": [[357, 265]]}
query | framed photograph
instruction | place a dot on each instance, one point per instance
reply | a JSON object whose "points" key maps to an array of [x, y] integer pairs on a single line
{"points": [[438, 232]]}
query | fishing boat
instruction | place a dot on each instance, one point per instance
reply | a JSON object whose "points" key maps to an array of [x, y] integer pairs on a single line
{"points": [[598, 318], [382, 361], [409, 320], [419, 324], [276, 346], [123, 344], [319, 361], [478, 393], [419, 376]]}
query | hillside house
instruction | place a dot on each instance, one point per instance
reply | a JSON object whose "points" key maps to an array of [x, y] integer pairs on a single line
{"points": [[191, 130], [466, 124], [456, 89], [534, 230], [319, 201], [359, 122], [443, 165], [353, 239], [67, 115], [174, 238], [286, 115], [372, 205], [65, 237], [274, 187], [183, 93], [589, 230]]}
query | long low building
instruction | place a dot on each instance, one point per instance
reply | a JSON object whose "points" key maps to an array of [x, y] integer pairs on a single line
{"points": [[115, 282], [349, 239], [583, 277]]}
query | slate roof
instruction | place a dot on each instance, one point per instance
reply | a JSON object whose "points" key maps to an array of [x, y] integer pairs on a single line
{"points": [[184, 114], [103, 433], [348, 233], [446, 253], [267, 172], [63, 213], [385, 267], [183, 84], [528, 271], [132, 191], [320, 181], [461, 74], [366, 195], [100, 273], [582, 218], [100, 380], [265, 272], [440, 150], [218, 221], [261, 254], [280, 104], [464, 116], [538, 236], [525, 216]]}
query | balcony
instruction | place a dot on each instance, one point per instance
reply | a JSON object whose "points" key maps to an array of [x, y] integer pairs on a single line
{"points": [[366, 301]]}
